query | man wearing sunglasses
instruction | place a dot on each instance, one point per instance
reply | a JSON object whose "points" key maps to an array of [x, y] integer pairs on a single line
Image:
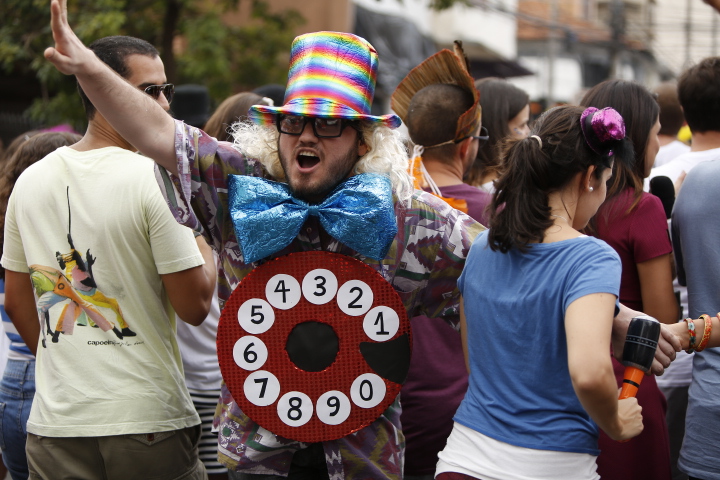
{"points": [[323, 144], [88, 232]]}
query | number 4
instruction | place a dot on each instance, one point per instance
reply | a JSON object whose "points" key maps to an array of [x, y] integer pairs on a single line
{"points": [[280, 288]]}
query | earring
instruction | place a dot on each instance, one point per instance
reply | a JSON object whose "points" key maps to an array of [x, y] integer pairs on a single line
{"points": [[590, 189]]}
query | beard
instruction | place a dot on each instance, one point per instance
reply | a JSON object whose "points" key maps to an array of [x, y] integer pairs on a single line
{"points": [[315, 187]]}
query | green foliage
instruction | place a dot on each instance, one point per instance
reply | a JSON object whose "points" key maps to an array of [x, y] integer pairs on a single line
{"points": [[225, 58], [232, 58], [58, 109]]}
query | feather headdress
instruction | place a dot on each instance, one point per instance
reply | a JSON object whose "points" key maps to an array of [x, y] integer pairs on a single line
{"points": [[445, 67]]}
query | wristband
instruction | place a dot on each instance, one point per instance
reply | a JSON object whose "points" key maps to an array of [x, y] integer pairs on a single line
{"points": [[691, 332], [706, 333]]}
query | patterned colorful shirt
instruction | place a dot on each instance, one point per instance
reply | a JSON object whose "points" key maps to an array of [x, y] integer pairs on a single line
{"points": [[422, 265]]}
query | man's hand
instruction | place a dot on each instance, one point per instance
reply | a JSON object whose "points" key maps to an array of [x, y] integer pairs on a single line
{"points": [[668, 343], [69, 55]]}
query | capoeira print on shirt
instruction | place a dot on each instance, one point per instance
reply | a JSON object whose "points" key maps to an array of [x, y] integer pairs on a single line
{"points": [[75, 286]]}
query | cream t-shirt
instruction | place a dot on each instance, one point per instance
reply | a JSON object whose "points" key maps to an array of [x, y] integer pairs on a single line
{"points": [[89, 381]]}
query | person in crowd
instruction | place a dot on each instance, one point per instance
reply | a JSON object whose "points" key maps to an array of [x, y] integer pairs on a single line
{"points": [[17, 388], [671, 121], [704, 146], [696, 214], [538, 395], [198, 352], [91, 251], [321, 141], [675, 382], [506, 113], [232, 110], [438, 102], [633, 223], [198, 344]]}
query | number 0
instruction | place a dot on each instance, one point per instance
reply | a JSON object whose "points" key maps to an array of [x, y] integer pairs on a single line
{"points": [[370, 390]]}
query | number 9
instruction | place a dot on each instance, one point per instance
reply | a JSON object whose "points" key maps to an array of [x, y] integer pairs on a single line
{"points": [[333, 407]]}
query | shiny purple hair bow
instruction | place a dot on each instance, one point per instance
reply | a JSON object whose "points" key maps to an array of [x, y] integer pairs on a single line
{"points": [[602, 129]]}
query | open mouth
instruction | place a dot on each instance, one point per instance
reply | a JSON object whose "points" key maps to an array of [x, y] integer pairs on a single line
{"points": [[307, 159]]}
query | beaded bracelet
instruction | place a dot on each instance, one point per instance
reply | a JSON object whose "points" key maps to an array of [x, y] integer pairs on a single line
{"points": [[706, 332], [691, 332]]}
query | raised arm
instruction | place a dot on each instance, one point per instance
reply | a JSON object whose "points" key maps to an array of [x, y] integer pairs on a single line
{"points": [[135, 116]]}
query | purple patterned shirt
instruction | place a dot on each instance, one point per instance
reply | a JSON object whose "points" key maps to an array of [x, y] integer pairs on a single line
{"points": [[422, 265]]}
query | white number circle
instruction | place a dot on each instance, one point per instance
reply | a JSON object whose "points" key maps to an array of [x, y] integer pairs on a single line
{"points": [[319, 286], [381, 323], [368, 390], [256, 316], [250, 353], [283, 291], [261, 388], [295, 409], [333, 407], [355, 298]]}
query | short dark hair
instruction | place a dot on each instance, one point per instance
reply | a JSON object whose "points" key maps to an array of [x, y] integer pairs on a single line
{"points": [[699, 93], [433, 114], [501, 101], [114, 51], [671, 113], [640, 111], [531, 170]]}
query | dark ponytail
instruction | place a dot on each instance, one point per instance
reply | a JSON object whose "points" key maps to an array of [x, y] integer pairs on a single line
{"points": [[532, 168]]}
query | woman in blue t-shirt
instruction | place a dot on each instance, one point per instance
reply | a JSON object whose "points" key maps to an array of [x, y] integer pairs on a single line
{"points": [[538, 305]]}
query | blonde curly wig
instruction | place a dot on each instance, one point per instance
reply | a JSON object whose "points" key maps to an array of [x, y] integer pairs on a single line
{"points": [[386, 153]]}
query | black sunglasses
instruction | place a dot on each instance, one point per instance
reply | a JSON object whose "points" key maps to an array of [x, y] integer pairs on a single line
{"points": [[167, 89], [480, 138], [322, 127]]}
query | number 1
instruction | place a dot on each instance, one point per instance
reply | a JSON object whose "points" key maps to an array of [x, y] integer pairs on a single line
{"points": [[382, 324]]}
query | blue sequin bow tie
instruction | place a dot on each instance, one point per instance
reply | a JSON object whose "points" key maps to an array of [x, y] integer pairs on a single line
{"points": [[359, 213]]}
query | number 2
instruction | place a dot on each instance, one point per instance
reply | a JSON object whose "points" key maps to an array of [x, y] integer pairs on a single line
{"points": [[354, 303]]}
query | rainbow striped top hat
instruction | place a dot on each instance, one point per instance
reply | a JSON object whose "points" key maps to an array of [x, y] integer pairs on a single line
{"points": [[332, 75]]}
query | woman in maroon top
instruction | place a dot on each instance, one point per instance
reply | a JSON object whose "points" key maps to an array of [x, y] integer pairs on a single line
{"points": [[633, 223]]}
